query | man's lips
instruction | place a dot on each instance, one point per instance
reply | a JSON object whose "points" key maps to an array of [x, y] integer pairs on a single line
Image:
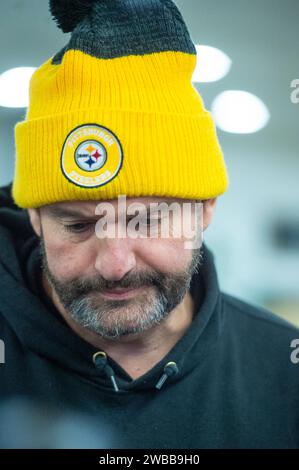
{"points": [[120, 293]]}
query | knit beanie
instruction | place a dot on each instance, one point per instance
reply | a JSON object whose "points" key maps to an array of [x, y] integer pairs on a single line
{"points": [[115, 112]]}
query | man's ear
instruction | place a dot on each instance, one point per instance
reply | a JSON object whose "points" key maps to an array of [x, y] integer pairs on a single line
{"points": [[34, 215], [209, 206]]}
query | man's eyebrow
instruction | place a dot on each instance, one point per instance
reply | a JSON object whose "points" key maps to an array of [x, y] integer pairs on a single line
{"points": [[62, 213]]}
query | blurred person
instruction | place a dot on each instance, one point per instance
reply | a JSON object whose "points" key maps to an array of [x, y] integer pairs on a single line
{"points": [[131, 329]]}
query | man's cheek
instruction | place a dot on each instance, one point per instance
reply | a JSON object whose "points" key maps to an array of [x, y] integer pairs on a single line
{"points": [[170, 257], [61, 262], [68, 264]]}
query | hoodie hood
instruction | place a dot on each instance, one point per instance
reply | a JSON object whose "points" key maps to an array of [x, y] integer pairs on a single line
{"points": [[42, 330]]}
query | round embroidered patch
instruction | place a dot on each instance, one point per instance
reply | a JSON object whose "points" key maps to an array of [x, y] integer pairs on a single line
{"points": [[91, 156]]}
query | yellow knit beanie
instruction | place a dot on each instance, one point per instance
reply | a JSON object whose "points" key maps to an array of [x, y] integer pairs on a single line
{"points": [[115, 112]]}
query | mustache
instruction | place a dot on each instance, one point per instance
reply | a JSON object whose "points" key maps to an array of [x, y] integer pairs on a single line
{"points": [[132, 281]]}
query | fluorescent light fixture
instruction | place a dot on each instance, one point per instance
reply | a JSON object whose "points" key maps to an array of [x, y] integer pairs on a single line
{"points": [[212, 64], [239, 112], [14, 87]]}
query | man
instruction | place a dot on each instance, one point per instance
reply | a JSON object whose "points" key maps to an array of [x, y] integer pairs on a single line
{"points": [[131, 328]]}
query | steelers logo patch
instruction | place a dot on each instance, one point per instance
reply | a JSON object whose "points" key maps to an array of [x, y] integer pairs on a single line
{"points": [[91, 156]]}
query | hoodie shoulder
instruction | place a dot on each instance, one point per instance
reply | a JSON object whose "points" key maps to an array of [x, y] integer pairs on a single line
{"points": [[256, 314], [6, 199], [13, 217]]}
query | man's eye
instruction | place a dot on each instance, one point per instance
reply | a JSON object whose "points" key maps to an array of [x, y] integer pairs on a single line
{"points": [[148, 221], [77, 228]]}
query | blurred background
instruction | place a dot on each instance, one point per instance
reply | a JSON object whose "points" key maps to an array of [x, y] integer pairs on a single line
{"points": [[245, 81]]}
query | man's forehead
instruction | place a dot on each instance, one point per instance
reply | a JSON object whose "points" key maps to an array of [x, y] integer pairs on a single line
{"points": [[88, 208]]}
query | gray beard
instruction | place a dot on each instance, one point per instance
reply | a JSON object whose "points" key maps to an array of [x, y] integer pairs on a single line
{"points": [[113, 319]]}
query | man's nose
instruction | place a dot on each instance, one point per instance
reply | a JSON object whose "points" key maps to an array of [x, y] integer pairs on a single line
{"points": [[115, 259]]}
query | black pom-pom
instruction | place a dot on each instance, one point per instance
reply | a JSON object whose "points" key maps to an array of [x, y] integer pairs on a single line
{"points": [[68, 13]]}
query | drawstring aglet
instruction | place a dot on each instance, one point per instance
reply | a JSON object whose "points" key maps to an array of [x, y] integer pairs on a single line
{"points": [[100, 361], [109, 372], [170, 369]]}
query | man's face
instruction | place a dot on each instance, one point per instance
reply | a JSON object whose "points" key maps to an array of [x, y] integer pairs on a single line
{"points": [[83, 266]]}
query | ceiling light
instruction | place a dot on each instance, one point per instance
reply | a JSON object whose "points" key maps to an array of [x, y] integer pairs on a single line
{"points": [[212, 64], [239, 112], [14, 87]]}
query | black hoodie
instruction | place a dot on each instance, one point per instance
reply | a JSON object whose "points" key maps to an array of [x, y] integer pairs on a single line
{"points": [[235, 386]]}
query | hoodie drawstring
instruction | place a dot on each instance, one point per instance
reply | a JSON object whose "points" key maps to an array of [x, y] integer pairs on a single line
{"points": [[170, 369], [100, 361]]}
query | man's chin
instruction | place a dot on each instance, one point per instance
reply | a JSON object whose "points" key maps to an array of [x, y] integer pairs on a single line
{"points": [[119, 318], [128, 330]]}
